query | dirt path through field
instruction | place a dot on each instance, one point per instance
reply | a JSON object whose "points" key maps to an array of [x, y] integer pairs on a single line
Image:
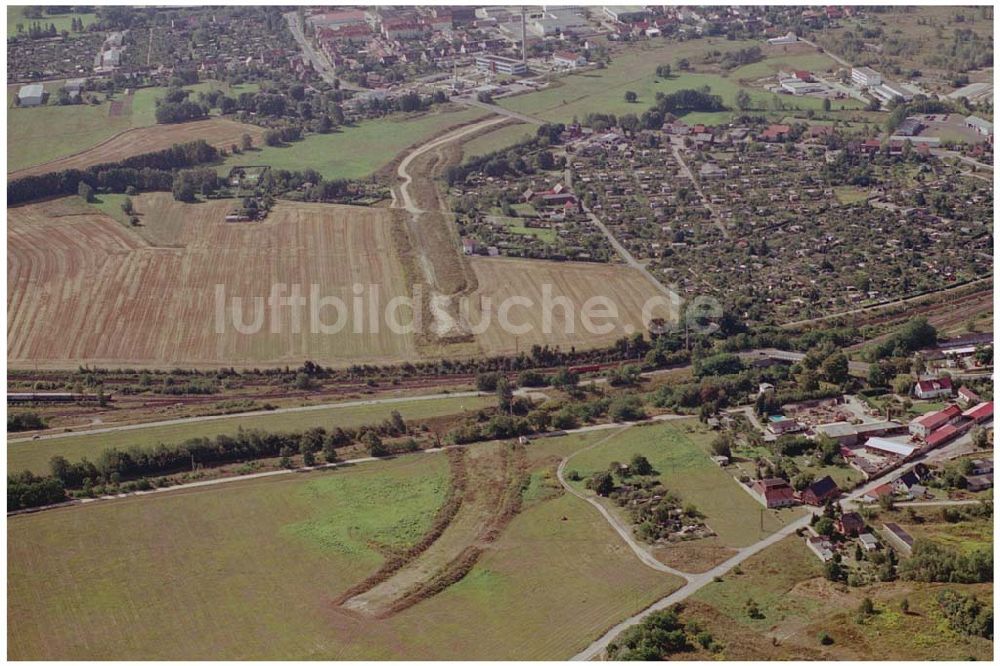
{"points": [[435, 249], [491, 478]]}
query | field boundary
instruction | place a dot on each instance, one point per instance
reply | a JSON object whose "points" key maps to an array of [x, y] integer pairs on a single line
{"points": [[516, 481], [445, 514]]}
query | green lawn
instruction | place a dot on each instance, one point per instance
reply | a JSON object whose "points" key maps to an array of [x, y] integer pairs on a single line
{"points": [[634, 70], [35, 455], [355, 152], [767, 578], [812, 62], [678, 451], [250, 570], [15, 15], [849, 194]]}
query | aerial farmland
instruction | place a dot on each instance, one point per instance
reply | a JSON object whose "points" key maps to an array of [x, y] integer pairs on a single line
{"points": [[500, 333]]}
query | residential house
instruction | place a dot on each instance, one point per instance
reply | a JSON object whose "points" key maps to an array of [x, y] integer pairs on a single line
{"points": [[850, 524], [774, 493], [820, 492], [967, 397], [873, 495], [928, 389], [822, 546], [976, 484], [568, 59]]}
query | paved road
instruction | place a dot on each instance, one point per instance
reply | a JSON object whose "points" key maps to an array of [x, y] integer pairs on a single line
{"points": [[942, 153], [695, 583], [501, 111], [319, 61], [261, 412], [698, 581]]}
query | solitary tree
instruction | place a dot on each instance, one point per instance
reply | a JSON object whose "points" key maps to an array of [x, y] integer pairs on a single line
{"points": [[631, 97]]}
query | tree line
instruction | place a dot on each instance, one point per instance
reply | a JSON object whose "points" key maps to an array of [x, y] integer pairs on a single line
{"points": [[148, 172]]}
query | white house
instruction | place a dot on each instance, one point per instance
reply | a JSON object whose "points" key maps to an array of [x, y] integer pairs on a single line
{"points": [[568, 59]]}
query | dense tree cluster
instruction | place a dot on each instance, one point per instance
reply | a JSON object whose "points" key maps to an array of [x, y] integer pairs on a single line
{"points": [[22, 421], [657, 637], [934, 563], [114, 465], [26, 490], [148, 172], [966, 613]]}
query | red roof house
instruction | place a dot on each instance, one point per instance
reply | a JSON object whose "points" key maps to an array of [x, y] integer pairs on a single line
{"points": [[933, 388], [774, 493]]}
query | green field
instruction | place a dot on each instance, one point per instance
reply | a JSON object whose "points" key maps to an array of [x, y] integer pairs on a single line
{"points": [[15, 15], [604, 90], [767, 578], [678, 451], [250, 570], [498, 139], [240, 573], [355, 152], [41, 134], [35, 455]]}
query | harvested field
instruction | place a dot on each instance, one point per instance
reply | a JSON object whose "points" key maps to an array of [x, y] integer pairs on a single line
{"points": [[501, 279], [117, 300], [219, 132]]}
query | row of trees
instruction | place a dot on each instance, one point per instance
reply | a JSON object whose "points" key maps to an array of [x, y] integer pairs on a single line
{"points": [[150, 171]]}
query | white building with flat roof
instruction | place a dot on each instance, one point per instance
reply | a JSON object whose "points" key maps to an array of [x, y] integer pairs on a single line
{"points": [[865, 77], [883, 446]]}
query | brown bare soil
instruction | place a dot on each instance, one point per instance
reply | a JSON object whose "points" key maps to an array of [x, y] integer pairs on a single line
{"points": [[501, 279], [218, 132], [84, 289], [694, 556]]}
